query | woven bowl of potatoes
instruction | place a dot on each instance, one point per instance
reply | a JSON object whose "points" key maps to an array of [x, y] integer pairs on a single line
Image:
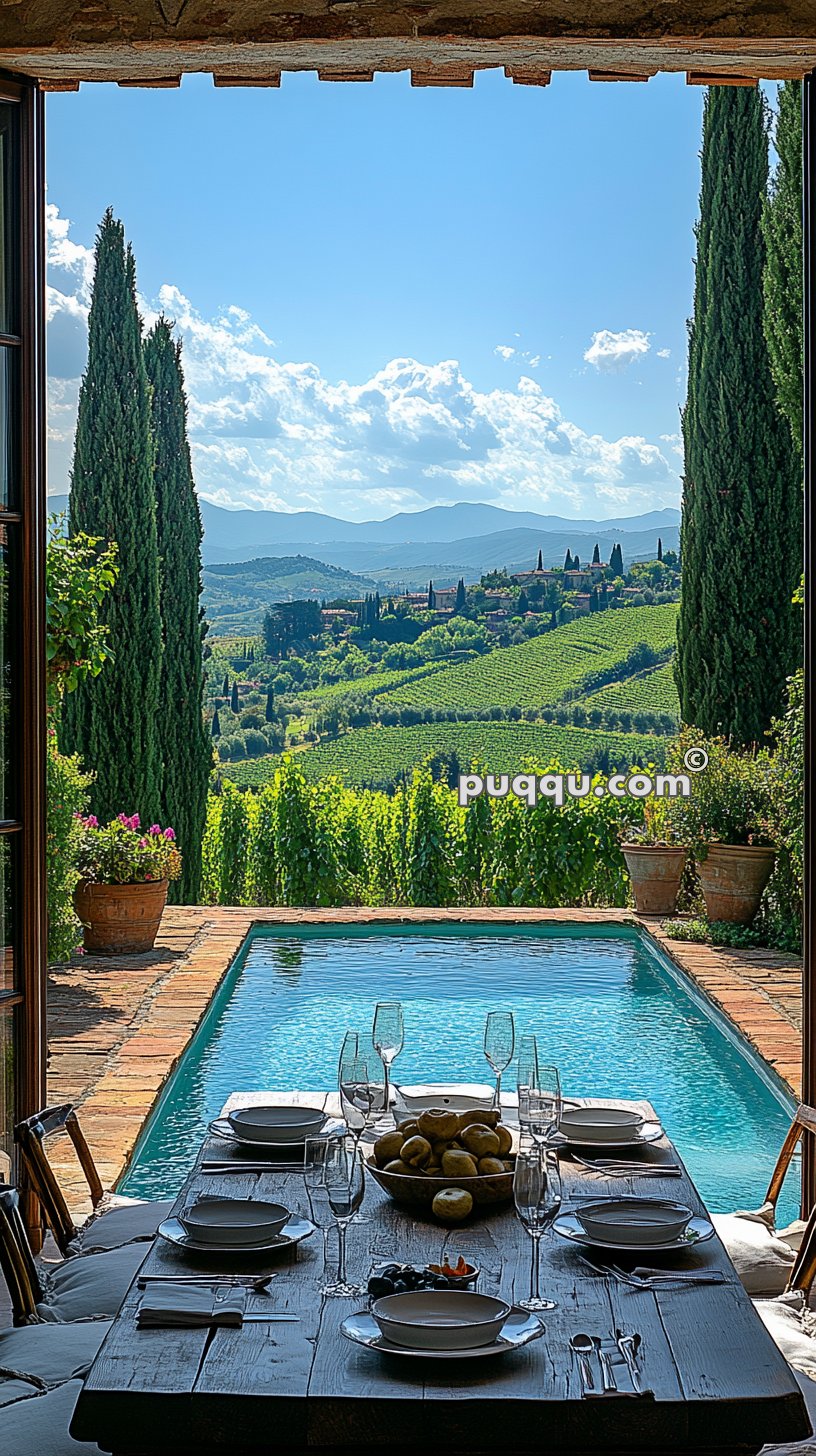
{"points": [[448, 1161]]}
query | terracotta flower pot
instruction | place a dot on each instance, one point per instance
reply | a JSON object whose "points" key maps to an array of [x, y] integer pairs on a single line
{"points": [[732, 878], [655, 871], [120, 919]]}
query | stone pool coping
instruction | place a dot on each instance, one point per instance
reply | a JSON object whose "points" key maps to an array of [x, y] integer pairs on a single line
{"points": [[119, 1025]]}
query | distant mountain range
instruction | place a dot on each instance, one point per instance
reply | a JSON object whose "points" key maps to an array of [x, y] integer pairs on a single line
{"points": [[443, 542]]}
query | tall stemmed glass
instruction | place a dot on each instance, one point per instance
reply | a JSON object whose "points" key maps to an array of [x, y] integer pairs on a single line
{"points": [[545, 1105], [499, 1045], [526, 1079], [314, 1171], [537, 1194], [344, 1184], [360, 1095], [388, 1036]]}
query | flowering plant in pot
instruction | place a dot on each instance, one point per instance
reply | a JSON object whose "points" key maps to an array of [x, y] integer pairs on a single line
{"points": [[124, 873], [728, 816], [655, 857]]}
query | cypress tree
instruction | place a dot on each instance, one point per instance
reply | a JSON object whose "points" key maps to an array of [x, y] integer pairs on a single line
{"points": [[568, 560], [576, 563], [461, 595], [540, 562], [431, 596], [659, 548], [782, 231], [235, 701], [112, 720], [616, 560], [216, 725], [596, 555], [523, 604], [185, 747], [270, 706], [742, 499], [225, 691]]}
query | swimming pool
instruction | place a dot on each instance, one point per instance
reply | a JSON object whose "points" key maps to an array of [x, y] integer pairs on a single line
{"points": [[609, 1009]]}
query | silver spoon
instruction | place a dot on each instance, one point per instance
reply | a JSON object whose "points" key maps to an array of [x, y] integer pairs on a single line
{"points": [[581, 1345]]}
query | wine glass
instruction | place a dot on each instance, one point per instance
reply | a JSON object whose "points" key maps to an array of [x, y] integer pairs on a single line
{"points": [[537, 1194], [545, 1105], [314, 1167], [344, 1185], [499, 1044], [360, 1095], [388, 1036], [526, 1079]]}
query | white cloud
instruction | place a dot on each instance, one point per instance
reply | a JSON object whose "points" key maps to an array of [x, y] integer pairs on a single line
{"points": [[504, 351], [664, 353], [273, 433], [610, 351]]}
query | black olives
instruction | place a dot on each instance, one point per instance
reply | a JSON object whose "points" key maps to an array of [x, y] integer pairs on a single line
{"points": [[401, 1278]]}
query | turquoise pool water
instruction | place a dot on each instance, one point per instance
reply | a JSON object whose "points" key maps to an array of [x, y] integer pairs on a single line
{"points": [[608, 1010]]}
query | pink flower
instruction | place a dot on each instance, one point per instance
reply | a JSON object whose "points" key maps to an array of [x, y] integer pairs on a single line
{"points": [[123, 819], [169, 833], [155, 829], [143, 844], [90, 821]]}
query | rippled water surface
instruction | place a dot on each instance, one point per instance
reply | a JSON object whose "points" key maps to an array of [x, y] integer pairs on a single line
{"points": [[606, 1012]]}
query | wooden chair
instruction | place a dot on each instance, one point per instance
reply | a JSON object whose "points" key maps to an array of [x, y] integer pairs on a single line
{"points": [[804, 1121], [125, 1220], [88, 1287]]}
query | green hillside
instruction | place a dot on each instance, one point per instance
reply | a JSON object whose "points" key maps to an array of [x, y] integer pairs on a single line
{"points": [[378, 756], [647, 692], [237, 593], [541, 671]]}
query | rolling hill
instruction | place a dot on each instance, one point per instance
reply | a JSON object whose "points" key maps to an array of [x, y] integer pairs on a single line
{"points": [[236, 594]]}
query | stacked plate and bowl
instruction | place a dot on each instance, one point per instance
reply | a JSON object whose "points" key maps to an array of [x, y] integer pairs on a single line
{"points": [[441, 1324]]}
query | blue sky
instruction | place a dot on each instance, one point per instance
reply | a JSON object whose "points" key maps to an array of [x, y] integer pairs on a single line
{"points": [[329, 251]]}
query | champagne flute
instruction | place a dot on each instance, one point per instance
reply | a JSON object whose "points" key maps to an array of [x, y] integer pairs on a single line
{"points": [[345, 1187], [545, 1105], [499, 1044], [537, 1195], [388, 1036]]}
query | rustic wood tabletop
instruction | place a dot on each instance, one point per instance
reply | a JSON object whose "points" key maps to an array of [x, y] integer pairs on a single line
{"points": [[715, 1380]]}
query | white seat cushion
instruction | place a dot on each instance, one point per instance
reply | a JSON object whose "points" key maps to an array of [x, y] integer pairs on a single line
{"points": [[50, 1353], [119, 1221], [90, 1284], [38, 1425], [792, 1326], [761, 1254]]}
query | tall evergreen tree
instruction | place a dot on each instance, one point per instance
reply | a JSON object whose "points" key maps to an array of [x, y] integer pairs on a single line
{"points": [[186, 751], [782, 230], [540, 562], [216, 725], [742, 498], [461, 595], [112, 719], [431, 596], [225, 691], [616, 560], [270, 714], [235, 701], [523, 604], [660, 548], [596, 555], [568, 560]]}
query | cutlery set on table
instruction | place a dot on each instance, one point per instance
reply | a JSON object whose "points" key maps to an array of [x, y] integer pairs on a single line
{"points": [[597, 1360]]}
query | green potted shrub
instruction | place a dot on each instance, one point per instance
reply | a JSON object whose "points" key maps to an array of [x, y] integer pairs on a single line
{"points": [[124, 873], [728, 817], [655, 857]]}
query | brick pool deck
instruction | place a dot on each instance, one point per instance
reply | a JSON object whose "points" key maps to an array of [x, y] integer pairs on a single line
{"points": [[118, 1026]]}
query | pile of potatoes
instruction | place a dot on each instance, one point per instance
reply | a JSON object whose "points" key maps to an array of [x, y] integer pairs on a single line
{"points": [[442, 1144]]}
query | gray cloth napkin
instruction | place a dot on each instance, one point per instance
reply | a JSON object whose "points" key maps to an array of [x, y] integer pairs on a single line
{"points": [[182, 1307]]}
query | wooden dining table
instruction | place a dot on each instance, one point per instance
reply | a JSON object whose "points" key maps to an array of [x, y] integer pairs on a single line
{"points": [[714, 1380]]}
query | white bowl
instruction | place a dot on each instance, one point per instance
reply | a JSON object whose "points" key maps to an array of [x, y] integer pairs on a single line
{"points": [[233, 1220], [634, 1222], [440, 1319], [276, 1124], [457, 1097], [600, 1124]]}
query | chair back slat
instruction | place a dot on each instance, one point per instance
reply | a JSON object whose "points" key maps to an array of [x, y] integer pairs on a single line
{"points": [[17, 1260], [30, 1137], [804, 1121], [804, 1267]]}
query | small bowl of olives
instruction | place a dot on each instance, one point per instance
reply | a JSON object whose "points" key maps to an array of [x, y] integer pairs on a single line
{"points": [[408, 1279]]}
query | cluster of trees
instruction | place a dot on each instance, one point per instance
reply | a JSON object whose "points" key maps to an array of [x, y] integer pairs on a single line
{"points": [[138, 725], [347, 713], [739, 631], [291, 624]]}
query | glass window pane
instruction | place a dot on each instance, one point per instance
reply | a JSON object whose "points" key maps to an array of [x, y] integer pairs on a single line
{"points": [[9, 291], [7, 1015], [9, 426], [8, 852]]}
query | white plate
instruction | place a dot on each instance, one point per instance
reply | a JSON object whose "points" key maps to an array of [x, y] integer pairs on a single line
{"points": [[698, 1230], [296, 1229], [220, 1128], [237, 1221], [519, 1328], [273, 1126], [650, 1132], [457, 1097]]}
